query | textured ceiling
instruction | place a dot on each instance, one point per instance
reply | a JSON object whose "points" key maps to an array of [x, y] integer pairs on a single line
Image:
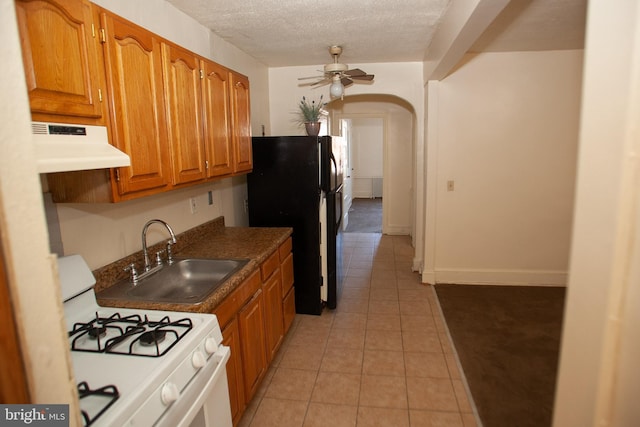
{"points": [[284, 33]]}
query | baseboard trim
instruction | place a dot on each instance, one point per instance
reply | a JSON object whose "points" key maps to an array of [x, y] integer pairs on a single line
{"points": [[497, 277]]}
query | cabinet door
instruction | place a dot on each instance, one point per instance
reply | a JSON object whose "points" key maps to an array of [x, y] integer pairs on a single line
{"points": [[286, 272], [289, 309], [133, 58], [231, 338], [61, 56], [240, 109], [217, 118], [183, 95], [252, 339], [274, 324]]}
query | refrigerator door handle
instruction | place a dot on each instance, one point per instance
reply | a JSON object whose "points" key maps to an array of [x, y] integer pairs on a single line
{"points": [[333, 184]]}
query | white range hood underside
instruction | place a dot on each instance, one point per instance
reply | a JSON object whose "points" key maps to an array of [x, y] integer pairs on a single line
{"points": [[64, 148]]}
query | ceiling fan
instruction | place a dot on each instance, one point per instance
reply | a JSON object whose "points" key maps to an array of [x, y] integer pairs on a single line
{"points": [[339, 75]]}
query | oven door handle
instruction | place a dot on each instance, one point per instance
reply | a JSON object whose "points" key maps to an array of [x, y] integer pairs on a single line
{"points": [[221, 356], [216, 383]]}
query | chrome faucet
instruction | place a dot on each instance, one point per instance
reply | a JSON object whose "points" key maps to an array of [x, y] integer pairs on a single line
{"points": [[172, 241]]}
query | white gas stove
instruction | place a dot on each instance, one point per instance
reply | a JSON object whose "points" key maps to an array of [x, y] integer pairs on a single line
{"points": [[142, 367]]}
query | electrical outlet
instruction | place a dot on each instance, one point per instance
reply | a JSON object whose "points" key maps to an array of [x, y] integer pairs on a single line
{"points": [[193, 205], [246, 205], [210, 194], [450, 185]]}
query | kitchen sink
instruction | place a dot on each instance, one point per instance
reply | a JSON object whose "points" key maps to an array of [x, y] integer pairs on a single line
{"points": [[186, 281]]}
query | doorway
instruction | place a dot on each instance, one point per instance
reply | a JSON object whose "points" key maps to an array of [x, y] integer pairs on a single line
{"points": [[365, 149], [380, 157]]}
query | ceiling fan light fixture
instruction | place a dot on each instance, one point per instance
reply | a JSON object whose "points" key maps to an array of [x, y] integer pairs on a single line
{"points": [[336, 89], [338, 75]]}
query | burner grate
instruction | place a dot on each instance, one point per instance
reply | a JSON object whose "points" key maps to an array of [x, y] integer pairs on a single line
{"points": [[109, 392], [129, 335]]}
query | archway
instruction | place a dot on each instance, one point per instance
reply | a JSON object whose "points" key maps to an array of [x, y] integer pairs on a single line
{"points": [[396, 120]]}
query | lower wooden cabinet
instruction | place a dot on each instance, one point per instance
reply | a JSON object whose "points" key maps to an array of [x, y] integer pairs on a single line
{"points": [[288, 309], [231, 338], [254, 319], [274, 325], [252, 343], [288, 292]]}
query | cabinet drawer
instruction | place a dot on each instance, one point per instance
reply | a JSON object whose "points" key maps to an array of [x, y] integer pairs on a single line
{"points": [[286, 272], [270, 265], [285, 249], [231, 304], [289, 309]]}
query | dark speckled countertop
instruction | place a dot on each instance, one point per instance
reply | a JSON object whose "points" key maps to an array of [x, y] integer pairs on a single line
{"points": [[209, 240]]}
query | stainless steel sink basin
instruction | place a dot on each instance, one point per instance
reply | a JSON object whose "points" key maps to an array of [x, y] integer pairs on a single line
{"points": [[186, 281]]}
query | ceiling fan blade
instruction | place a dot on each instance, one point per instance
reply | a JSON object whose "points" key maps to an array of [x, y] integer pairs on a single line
{"points": [[346, 81], [310, 77], [355, 72], [321, 82], [368, 77], [308, 83]]}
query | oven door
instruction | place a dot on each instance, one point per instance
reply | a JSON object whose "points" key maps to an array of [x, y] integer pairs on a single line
{"points": [[205, 401]]}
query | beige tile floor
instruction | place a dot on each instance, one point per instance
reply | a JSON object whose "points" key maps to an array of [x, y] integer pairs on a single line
{"points": [[382, 358]]}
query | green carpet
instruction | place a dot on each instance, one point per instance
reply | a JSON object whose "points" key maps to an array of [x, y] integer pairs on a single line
{"points": [[508, 340]]}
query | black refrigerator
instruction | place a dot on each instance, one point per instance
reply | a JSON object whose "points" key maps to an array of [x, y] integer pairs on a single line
{"points": [[297, 182]]}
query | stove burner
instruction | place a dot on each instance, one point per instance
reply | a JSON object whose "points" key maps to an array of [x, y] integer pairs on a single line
{"points": [[97, 332], [153, 337]]}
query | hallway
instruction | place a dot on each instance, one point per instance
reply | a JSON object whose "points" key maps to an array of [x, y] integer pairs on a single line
{"points": [[382, 358], [365, 216]]}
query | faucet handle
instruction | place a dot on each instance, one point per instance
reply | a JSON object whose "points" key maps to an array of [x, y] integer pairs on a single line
{"points": [[159, 257], [169, 253], [134, 273]]}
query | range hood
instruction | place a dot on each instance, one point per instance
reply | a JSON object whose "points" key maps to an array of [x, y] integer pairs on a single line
{"points": [[64, 147]]}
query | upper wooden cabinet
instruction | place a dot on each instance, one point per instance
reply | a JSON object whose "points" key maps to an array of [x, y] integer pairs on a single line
{"points": [[183, 90], [133, 58], [217, 117], [181, 118], [62, 60], [240, 107]]}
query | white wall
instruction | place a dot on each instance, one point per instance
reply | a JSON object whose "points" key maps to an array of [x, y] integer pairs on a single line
{"points": [[103, 233], [506, 132], [598, 378], [31, 271], [367, 137]]}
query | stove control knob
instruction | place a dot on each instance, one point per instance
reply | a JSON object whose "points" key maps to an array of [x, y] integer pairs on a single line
{"points": [[198, 360], [210, 345], [170, 393]]}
